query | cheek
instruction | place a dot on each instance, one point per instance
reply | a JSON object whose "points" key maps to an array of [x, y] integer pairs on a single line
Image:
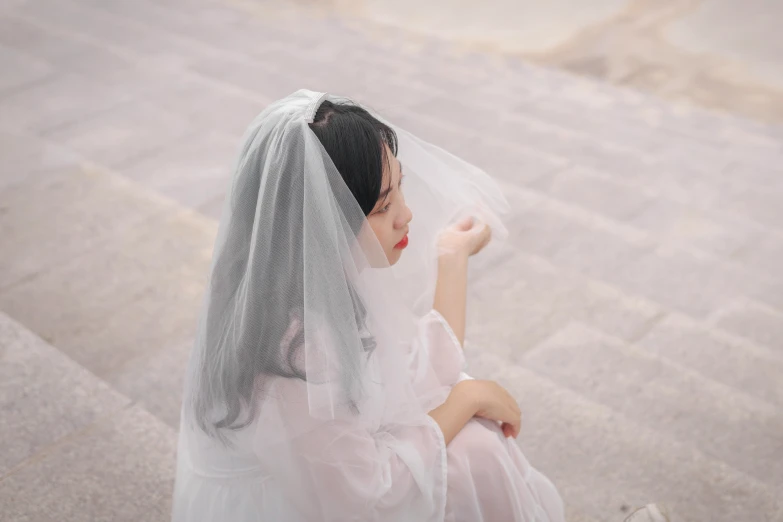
{"points": [[388, 237], [384, 231]]}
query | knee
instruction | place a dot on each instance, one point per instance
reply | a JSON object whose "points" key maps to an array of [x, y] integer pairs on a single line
{"points": [[479, 443]]}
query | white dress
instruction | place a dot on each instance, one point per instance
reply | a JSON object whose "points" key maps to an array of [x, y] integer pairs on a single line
{"points": [[396, 474]]}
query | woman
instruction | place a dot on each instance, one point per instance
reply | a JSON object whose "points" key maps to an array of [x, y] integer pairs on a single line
{"points": [[326, 381]]}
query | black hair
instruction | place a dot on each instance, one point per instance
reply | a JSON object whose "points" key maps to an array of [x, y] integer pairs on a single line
{"points": [[356, 143]]}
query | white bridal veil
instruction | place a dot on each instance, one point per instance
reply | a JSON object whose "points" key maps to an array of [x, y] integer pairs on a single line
{"points": [[306, 329]]}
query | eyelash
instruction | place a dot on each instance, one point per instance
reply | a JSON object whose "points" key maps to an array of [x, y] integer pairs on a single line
{"points": [[386, 208]]}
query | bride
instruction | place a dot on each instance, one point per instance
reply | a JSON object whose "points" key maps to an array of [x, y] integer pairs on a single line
{"points": [[326, 382]]}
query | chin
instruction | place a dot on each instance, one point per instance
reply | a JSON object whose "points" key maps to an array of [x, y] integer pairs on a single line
{"points": [[394, 256]]}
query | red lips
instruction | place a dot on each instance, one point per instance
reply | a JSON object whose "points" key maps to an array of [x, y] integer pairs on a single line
{"points": [[403, 242]]}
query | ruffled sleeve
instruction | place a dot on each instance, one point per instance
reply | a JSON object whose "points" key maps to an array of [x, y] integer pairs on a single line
{"points": [[436, 358], [340, 471]]}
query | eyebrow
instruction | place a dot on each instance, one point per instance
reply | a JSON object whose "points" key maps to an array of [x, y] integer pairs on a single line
{"points": [[385, 192]]}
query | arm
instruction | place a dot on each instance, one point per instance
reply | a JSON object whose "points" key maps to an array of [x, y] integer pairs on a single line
{"points": [[340, 472], [452, 415], [451, 291], [436, 361], [455, 244], [345, 471]]}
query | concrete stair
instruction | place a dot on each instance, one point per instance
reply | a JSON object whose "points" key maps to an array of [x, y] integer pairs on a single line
{"points": [[651, 421], [723, 422], [74, 448], [605, 463], [635, 310], [722, 357]]}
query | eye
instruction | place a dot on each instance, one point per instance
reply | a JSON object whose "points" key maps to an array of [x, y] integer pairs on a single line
{"points": [[384, 209]]}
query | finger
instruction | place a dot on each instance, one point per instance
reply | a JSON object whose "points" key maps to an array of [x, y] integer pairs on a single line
{"points": [[465, 223], [508, 429], [480, 237], [516, 417], [484, 233], [487, 237], [479, 226], [510, 416], [489, 232], [511, 402], [515, 424]]}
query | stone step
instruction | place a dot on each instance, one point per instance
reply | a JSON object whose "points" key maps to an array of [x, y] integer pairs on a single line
{"points": [[753, 321], [516, 300], [156, 382], [97, 262], [689, 280], [555, 91], [634, 118], [719, 169], [101, 302], [54, 216], [556, 96], [587, 104], [696, 177], [648, 126], [588, 115], [604, 463], [27, 157], [631, 199], [718, 355], [723, 422], [74, 448], [573, 515], [689, 173]]}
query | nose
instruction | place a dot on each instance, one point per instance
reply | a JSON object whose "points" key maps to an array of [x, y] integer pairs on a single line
{"points": [[406, 216]]}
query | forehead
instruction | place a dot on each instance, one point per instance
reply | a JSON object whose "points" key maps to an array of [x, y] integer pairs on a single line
{"points": [[392, 167]]}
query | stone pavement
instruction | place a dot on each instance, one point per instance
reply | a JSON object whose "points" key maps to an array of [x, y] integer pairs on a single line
{"points": [[636, 311]]}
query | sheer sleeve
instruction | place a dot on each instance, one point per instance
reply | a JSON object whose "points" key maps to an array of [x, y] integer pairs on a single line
{"points": [[340, 471], [436, 358]]}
